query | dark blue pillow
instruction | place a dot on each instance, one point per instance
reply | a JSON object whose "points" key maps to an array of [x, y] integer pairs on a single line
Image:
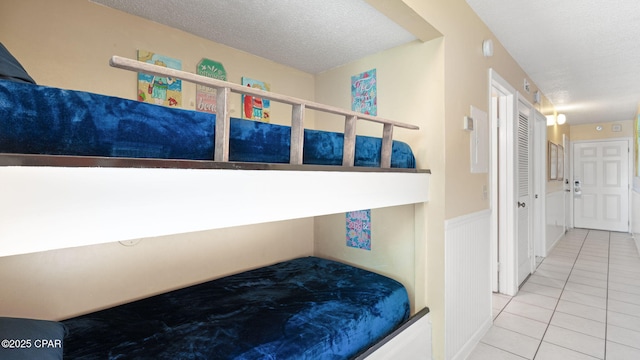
{"points": [[30, 339], [11, 69]]}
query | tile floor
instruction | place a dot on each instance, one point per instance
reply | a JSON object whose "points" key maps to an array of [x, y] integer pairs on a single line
{"points": [[582, 302]]}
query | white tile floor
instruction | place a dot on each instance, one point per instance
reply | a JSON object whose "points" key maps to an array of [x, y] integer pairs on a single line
{"points": [[582, 302]]}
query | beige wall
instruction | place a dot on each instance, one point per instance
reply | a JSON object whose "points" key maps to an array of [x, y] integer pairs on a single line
{"points": [[555, 132], [68, 44], [411, 90], [62, 283], [392, 245], [466, 84], [555, 135], [589, 131]]}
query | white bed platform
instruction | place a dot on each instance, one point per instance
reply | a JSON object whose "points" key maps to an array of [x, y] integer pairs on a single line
{"points": [[412, 341], [48, 207]]}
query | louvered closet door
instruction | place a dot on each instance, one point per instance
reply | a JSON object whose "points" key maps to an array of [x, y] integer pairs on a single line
{"points": [[523, 189]]}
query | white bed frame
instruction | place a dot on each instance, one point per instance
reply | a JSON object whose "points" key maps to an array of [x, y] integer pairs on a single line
{"points": [[412, 341], [78, 201]]}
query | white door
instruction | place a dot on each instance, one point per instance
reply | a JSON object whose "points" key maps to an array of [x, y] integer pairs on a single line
{"points": [[601, 185], [523, 192], [503, 181]]}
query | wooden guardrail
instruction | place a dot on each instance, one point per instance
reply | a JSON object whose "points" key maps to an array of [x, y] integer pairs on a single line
{"points": [[223, 117]]}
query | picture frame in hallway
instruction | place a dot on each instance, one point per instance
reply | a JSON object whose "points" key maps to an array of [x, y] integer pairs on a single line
{"points": [[560, 176], [553, 161]]}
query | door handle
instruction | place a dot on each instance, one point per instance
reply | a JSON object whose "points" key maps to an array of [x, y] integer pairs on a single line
{"points": [[522, 204]]}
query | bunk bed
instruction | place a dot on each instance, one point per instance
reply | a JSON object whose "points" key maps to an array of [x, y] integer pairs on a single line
{"points": [[305, 308], [72, 167], [83, 157]]}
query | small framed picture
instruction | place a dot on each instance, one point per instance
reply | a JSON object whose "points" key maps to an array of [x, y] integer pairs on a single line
{"points": [[560, 163], [553, 161]]}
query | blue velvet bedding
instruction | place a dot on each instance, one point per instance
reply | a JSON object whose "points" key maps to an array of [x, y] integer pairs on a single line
{"points": [[306, 308], [43, 120]]}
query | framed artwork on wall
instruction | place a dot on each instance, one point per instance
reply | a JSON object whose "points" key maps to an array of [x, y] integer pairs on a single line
{"points": [[636, 134], [206, 96], [159, 90], [364, 93], [359, 229], [553, 161], [560, 163], [253, 107]]}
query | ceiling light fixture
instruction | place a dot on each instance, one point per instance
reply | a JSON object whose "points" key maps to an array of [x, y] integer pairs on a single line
{"points": [[551, 120], [561, 119]]}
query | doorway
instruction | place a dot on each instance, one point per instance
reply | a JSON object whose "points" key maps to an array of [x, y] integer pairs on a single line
{"points": [[601, 184], [539, 177], [515, 164], [502, 96]]}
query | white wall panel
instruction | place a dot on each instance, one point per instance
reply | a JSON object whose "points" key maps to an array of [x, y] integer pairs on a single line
{"points": [[555, 218], [468, 313], [635, 219]]}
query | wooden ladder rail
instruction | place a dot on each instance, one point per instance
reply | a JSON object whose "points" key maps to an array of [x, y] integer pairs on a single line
{"points": [[223, 116]]}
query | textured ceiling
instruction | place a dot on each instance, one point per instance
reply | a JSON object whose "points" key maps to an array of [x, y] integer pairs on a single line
{"points": [[310, 35], [584, 55]]}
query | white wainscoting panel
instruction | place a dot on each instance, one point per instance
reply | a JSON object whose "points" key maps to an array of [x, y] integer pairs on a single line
{"points": [[467, 282], [555, 218], [635, 217]]}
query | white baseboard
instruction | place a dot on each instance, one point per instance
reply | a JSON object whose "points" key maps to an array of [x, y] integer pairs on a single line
{"points": [[466, 350], [553, 245]]}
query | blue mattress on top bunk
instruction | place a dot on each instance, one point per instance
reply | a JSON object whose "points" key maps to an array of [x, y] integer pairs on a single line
{"points": [[306, 308], [37, 119]]}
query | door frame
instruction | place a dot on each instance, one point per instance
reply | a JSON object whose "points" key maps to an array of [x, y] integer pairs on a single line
{"points": [[503, 166], [567, 187], [629, 141], [540, 184], [503, 249]]}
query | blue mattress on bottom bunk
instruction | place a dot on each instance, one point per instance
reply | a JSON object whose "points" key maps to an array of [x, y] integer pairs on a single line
{"points": [[306, 308], [37, 119]]}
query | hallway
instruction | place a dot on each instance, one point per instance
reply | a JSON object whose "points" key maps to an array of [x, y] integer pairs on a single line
{"points": [[582, 302]]}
